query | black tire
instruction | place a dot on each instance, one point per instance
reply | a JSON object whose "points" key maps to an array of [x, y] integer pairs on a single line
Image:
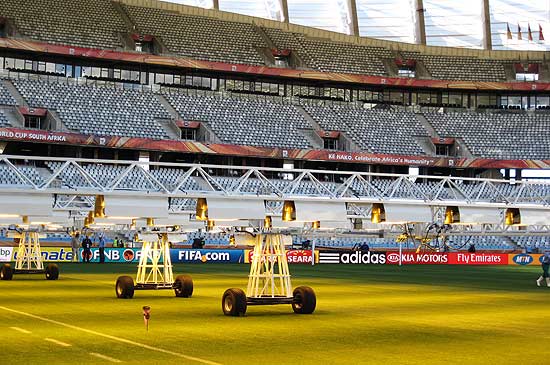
{"points": [[234, 302], [183, 287], [304, 300], [6, 272], [52, 272], [124, 287]]}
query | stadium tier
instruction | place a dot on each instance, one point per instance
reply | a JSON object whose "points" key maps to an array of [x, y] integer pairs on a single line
{"points": [[460, 68], [79, 23], [332, 56], [504, 136], [112, 25], [98, 110], [372, 130], [108, 109], [200, 37], [242, 121]]}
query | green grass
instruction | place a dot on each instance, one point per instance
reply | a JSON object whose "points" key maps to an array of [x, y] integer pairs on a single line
{"points": [[365, 315]]}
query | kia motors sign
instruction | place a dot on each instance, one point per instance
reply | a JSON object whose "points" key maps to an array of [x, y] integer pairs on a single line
{"points": [[447, 258], [413, 258]]}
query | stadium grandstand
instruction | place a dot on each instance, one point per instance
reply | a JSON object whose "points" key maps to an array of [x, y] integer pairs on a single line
{"points": [[426, 117]]}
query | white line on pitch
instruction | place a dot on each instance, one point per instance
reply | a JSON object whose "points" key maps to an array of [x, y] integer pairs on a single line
{"points": [[113, 338], [111, 359], [57, 342], [21, 330]]}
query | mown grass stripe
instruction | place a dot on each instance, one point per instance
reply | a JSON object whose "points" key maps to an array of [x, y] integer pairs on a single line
{"points": [[118, 339]]}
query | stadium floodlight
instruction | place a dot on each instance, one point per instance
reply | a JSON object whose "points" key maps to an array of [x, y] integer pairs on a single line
{"points": [[320, 211], [124, 206], [526, 217], [396, 213], [278, 222], [31, 204], [182, 221], [512, 216], [269, 280], [289, 211], [472, 215], [230, 209]]}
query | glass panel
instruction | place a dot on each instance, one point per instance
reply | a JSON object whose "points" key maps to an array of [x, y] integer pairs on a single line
{"points": [[453, 23], [526, 14], [386, 19], [246, 7], [208, 4], [325, 14]]}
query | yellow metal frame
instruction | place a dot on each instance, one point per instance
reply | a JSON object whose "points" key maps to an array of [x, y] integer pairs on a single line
{"points": [[155, 265], [269, 274], [29, 254]]}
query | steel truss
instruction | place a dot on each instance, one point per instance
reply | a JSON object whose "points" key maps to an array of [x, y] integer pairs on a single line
{"points": [[74, 182]]}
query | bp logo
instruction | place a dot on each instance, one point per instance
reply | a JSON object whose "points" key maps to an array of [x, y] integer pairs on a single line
{"points": [[523, 259]]}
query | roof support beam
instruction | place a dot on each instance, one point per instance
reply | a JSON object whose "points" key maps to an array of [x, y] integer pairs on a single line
{"points": [[284, 9], [354, 26], [419, 23], [487, 42]]}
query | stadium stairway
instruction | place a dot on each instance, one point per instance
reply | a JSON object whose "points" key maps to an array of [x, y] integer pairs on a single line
{"points": [[169, 126], [15, 118], [427, 125], [265, 53], [512, 243], [14, 93], [55, 121], [311, 135]]}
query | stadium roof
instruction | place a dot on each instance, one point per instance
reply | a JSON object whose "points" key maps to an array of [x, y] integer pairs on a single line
{"points": [[453, 23]]}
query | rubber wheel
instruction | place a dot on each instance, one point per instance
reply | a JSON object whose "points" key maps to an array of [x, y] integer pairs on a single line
{"points": [[52, 272], [234, 302], [124, 287], [304, 300], [6, 272], [183, 287]]}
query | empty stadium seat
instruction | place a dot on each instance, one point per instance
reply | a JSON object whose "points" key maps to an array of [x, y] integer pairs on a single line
{"points": [[100, 110], [81, 23]]}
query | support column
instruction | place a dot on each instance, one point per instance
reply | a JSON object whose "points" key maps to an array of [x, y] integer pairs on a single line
{"points": [[352, 8], [216, 4], [284, 9], [487, 41], [419, 24]]}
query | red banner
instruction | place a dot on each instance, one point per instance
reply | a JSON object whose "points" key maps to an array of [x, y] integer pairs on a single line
{"points": [[447, 258], [67, 138]]}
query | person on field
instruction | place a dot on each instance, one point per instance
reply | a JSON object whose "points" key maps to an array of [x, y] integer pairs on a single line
{"points": [[101, 244], [75, 244], [545, 260], [86, 245]]}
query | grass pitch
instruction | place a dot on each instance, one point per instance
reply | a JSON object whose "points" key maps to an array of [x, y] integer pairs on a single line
{"points": [[364, 315]]}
